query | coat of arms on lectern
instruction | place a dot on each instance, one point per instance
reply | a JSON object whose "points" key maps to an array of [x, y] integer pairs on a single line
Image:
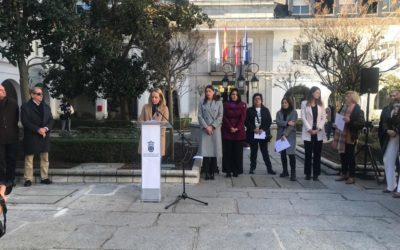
{"points": [[150, 146]]}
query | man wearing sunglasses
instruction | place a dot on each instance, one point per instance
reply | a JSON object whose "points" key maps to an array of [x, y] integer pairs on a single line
{"points": [[37, 120]]}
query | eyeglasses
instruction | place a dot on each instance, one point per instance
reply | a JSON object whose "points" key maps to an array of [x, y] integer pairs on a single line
{"points": [[39, 94]]}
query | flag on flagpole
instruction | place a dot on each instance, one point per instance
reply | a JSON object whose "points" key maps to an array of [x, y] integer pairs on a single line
{"points": [[225, 52], [217, 53], [237, 49], [245, 49]]}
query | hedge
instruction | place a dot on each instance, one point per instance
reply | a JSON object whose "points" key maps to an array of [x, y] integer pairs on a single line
{"points": [[94, 150]]}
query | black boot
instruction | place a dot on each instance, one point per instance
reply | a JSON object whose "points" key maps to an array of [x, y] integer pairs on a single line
{"points": [[292, 159], [284, 165], [206, 168]]}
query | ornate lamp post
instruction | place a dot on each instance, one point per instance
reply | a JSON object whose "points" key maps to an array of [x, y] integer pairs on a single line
{"points": [[253, 67]]}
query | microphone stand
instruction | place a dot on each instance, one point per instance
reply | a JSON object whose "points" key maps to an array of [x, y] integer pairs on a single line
{"points": [[183, 195]]}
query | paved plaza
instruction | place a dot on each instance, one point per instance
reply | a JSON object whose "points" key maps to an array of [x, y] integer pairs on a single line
{"points": [[249, 212]]}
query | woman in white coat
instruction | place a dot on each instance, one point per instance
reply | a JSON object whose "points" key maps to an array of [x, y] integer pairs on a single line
{"points": [[210, 115], [314, 117]]}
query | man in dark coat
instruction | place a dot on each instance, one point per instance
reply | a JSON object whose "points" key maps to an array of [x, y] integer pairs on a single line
{"points": [[37, 121], [9, 116]]}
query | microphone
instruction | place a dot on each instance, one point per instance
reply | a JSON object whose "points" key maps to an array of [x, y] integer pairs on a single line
{"points": [[154, 109]]}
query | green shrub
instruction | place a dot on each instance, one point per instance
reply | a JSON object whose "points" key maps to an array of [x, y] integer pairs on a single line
{"points": [[93, 150], [182, 123], [77, 123], [299, 125]]}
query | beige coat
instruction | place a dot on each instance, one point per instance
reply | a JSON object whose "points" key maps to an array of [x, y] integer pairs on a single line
{"points": [[146, 115], [307, 118]]}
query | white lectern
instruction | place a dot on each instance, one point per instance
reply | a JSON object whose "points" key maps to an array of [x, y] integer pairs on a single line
{"points": [[151, 159]]}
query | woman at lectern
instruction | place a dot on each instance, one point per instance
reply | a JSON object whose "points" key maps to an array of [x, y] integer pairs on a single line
{"points": [[156, 109], [345, 141], [210, 115]]}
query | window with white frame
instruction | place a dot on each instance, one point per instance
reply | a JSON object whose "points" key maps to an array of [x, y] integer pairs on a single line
{"points": [[301, 51], [301, 10], [390, 5]]}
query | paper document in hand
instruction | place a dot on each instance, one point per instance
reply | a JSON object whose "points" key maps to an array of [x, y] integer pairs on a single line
{"points": [[262, 135], [281, 145], [339, 122]]}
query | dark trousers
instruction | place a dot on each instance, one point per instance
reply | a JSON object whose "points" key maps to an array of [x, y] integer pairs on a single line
{"points": [[348, 160], [232, 160], [66, 124], [210, 165], [292, 161], [312, 150], [8, 162], [264, 151]]}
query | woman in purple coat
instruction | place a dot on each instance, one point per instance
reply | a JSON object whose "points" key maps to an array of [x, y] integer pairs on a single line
{"points": [[233, 134]]}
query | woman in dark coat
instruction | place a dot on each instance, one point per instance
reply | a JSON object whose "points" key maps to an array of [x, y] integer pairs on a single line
{"points": [[233, 134], [345, 141], [286, 119], [258, 123]]}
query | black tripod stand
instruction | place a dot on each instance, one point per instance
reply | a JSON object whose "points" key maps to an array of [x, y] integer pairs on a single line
{"points": [[366, 148], [184, 195]]}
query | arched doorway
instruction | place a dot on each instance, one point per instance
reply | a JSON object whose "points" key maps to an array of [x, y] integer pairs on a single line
{"points": [[298, 94], [12, 89]]}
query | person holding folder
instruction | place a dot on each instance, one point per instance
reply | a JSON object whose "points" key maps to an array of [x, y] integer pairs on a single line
{"points": [[286, 119], [258, 123], [313, 116], [156, 109], [345, 140]]}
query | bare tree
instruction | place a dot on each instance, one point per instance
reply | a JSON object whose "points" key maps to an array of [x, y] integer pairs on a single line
{"points": [[171, 62], [340, 47], [286, 77]]}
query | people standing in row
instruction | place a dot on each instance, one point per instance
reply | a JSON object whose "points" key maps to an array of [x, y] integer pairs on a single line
{"points": [[37, 120], [233, 134], [155, 109], [389, 137], [258, 123], [65, 110], [314, 117], [345, 141], [210, 116], [9, 116], [286, 119]]}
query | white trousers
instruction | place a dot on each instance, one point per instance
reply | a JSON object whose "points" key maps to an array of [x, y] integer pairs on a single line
{"points": [[389, 160]]}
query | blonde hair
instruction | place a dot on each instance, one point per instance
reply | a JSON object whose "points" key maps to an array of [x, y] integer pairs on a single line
{"points": [[160, 93], [354, 96]]}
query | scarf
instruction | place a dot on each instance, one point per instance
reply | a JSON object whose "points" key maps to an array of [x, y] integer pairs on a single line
{"points": [[344, 137]]}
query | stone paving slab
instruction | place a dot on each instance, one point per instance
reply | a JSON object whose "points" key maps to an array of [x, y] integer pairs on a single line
{"points": [[278, 220], [215, 205], [36, 199], [333, 207], [106, 218], [264, 181], [153, 238], [314, 239], [264, 206], [193, 220], [37, 235], [229, 238], [82, 238]]}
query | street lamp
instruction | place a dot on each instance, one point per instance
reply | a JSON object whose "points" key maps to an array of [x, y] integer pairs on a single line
{"points": [[241, 81], [253, 67]]}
